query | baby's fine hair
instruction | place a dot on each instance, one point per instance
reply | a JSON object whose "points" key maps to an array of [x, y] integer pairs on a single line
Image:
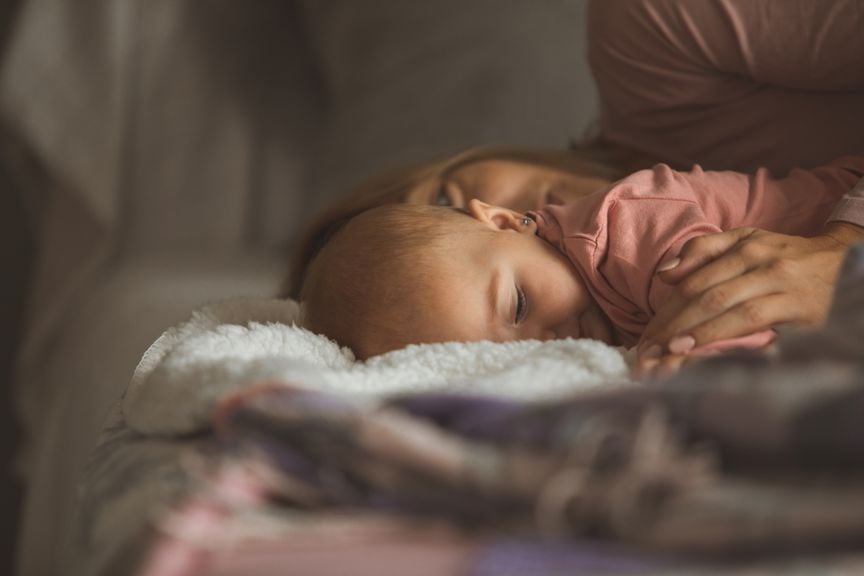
{"points": [[363, 288]]}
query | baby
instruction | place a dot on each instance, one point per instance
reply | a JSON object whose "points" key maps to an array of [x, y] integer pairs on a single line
{"points": [[402, 274]]}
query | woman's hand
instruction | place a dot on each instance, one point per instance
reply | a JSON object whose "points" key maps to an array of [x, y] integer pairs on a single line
{"points": [[745, 280], [658, 368]]}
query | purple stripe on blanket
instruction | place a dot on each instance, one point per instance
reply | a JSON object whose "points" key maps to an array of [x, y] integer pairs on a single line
{"points": [[562, 558], [478, 417]]}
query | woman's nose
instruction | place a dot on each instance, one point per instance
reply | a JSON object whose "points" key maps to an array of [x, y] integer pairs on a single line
{"points": [[552, 198]]}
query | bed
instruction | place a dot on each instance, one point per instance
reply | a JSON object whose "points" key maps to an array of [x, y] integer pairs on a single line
{"points": [[177, 147], [245, 444]]}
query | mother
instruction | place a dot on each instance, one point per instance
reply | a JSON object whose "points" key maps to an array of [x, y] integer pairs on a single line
{"points": [[728, 84]]}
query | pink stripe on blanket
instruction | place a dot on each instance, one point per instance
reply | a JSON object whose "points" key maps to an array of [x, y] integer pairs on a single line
{"points": [[187, 537]]}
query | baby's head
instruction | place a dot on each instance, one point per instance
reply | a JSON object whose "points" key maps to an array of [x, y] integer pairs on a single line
{"points": [[404, 274]]}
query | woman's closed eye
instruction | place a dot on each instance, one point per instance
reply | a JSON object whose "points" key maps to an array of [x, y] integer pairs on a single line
{"points": [[521, 306], [442, 197], [447, 195]]}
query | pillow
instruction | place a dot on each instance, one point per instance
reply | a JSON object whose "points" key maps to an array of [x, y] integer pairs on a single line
{"points": [[242, 342]]}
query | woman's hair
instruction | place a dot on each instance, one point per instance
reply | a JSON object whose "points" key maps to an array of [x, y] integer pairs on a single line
{"points": [[593, 160]]}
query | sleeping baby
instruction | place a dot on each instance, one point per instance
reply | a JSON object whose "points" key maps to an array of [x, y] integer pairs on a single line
{"points": [[407, 274]]}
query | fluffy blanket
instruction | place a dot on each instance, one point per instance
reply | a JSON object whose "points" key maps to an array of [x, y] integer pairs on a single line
{"points": [[229, 345]]}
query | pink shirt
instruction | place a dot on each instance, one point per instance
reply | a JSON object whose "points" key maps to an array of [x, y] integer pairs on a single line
{"points": [[617, 237], [733, 84]]}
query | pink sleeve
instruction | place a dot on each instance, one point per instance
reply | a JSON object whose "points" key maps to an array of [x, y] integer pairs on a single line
{"points": [[652, 213], [642, 234], [731, 84], [618, 238], [799, 203]]}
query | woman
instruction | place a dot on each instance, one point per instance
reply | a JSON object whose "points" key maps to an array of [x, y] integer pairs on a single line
{"points": [[736, 84], [682, 82]]}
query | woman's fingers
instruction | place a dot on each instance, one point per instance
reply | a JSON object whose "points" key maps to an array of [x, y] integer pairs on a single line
{"points": [[747, 304], [698, 252], [658, 368], [707, 261], [749, 316], [703, 295], [764, 279], [732, 299]]}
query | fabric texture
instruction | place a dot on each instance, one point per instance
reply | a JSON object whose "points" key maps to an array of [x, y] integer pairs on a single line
{"points": [[616, 238], [229, 345], [738, 455], [128, 309], [705, 82]]}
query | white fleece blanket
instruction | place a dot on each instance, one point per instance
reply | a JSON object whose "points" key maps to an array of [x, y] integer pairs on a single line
{"points": [[243, 342]]}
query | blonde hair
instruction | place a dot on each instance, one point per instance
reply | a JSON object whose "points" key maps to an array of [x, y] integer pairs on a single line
{"points": [[365, 288], [593, 160]]}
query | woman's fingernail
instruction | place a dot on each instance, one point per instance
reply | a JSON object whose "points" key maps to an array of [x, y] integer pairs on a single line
{"points": [[668, 265], [682, 344], [651, 352], [645, 368]]}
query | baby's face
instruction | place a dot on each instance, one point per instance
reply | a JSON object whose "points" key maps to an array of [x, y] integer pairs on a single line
{"points": [[506, 284]]}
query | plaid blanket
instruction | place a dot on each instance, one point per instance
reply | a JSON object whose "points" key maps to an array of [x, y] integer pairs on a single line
{"points": [[745, 463]]}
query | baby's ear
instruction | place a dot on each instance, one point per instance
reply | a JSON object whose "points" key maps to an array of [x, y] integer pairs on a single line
{"points": [[495, 217]]}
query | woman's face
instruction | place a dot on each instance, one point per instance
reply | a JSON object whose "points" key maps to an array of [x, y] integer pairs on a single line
{"points": [[516, 185]]}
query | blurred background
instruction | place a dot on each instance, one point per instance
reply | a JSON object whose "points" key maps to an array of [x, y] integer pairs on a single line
{"points": [[159, 154], [16, 255]]}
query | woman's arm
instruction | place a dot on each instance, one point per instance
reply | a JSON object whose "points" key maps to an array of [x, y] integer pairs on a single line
{"points": [[731, 84]]}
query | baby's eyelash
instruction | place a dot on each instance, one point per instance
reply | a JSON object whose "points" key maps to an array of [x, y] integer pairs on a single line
{"points": [[521, 305]]}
